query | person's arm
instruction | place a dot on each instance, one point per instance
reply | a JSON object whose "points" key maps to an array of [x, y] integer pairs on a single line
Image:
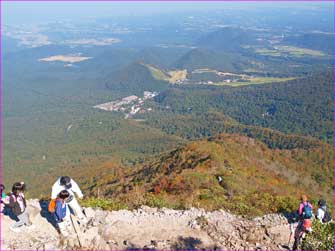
{"points": [[55, 191], [301, 206], [58, 211], [6, 199], [75, 188], [320, 214]]}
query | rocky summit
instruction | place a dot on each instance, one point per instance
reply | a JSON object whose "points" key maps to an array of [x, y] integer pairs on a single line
{"points": [[149, 228]]}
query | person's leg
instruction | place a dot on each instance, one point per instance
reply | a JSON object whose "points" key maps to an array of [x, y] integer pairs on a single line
{"points": [[76, 209], [62, 228], [25, 218], [21, 221], [296, 243], [297, 234], [68, 224]]}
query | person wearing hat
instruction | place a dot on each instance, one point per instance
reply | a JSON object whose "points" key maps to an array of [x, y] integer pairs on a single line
{"points": [[322, 214], [66, 183]]}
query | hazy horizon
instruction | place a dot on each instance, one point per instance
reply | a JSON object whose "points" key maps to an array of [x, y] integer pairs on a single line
{"points": [[16, 12]]}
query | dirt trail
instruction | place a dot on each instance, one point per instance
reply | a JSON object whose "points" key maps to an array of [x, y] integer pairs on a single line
{"points": [[150, 228]]}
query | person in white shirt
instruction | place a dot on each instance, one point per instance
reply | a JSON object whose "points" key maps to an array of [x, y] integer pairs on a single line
{"points": [[321, 213], [66, 183]]}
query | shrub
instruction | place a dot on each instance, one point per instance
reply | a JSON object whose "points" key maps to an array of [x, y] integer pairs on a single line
{"points": [[152, 200], [322, 237], [105, 204]]}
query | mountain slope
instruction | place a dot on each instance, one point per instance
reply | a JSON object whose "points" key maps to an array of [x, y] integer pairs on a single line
{"points": [[134, 79], [228, 39], [316, 41], [302, 106], [207, 58], [255, 179]]}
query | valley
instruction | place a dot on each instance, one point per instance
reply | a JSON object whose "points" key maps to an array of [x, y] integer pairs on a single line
{"points": [[156, 110]]}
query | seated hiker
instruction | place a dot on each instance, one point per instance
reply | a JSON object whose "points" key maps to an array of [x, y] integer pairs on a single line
{"points": [[322, 215], [305, 215], [17, 204], [66, 183], [62, 213]]}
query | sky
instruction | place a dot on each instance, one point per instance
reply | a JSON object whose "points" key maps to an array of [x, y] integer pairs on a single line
{"points": [[37, 12]]}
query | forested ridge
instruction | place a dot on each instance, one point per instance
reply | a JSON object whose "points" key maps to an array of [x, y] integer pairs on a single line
{"points": [[302, 106], [255, 178]]}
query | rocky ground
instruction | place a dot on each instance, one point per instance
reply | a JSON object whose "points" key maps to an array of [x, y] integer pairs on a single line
{"points": [[150, 228]]}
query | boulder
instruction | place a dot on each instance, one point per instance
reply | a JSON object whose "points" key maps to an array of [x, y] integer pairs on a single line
{"points": [[89, 212]]}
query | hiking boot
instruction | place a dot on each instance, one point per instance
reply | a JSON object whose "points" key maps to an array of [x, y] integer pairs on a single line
{"points": [[15, 229]]}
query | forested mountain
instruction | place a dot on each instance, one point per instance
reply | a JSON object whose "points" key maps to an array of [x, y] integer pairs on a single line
{"points": [[245, 94], [302, 106], [207, 58], [161, 57], [228, 39], [199, 125], [316, 41], [134, 79], [226, 171]]}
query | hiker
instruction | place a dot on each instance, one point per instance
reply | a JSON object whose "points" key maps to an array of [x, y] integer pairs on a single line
{"points": [[17, 203], [4, 198], [322, 215], [66, 183], [62, 213], [305, 214]]}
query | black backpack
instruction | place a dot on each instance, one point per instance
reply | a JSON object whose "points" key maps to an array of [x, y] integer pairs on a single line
{"points": [[326, 217]]}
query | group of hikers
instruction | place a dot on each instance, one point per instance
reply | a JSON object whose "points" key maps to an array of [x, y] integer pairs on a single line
{"points": [[305, 214], [63, 198]]}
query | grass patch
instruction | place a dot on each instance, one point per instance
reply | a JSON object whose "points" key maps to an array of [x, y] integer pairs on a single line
{"points": [[157, 73], [105, 204], [254, 81], [292, 51], [177, 75]]}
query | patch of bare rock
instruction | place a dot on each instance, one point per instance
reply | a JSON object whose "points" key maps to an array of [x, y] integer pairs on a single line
{"points": [[151, 229]]}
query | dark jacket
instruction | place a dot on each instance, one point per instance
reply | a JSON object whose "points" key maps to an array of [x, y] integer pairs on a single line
{"points": [[14, 204]]}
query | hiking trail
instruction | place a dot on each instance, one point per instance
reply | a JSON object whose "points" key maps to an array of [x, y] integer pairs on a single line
{"points": [[150, 228]]}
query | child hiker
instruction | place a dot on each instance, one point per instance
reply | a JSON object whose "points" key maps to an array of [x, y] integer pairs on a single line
{"points": [[62, 213], [17, 203]]}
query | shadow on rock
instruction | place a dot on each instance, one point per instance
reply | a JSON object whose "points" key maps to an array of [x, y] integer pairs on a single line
{"points": [[46, 214], [187, 243]]}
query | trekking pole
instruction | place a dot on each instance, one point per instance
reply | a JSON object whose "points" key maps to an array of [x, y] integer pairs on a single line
{"points": [[75, 229]]}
